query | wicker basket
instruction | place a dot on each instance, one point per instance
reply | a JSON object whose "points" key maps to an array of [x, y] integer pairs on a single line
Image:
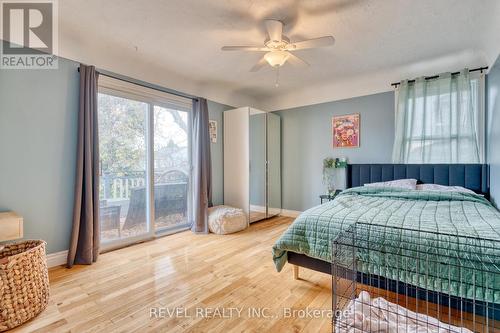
{"points": [[24, 282]]}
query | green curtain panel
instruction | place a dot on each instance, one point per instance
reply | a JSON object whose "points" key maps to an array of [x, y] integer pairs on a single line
{"points": [[438, 120]]}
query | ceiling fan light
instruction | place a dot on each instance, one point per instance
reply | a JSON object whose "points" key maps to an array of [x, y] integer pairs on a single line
{"points": [[276, 58]]}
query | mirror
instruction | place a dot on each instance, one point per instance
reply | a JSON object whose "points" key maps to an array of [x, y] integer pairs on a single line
{"points": [[257, 166]]}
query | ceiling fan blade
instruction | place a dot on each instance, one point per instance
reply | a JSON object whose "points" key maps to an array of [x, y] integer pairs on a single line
{"points": [[245, 48], [262, 62], [311, 43], [274, 29], [294, 60]]}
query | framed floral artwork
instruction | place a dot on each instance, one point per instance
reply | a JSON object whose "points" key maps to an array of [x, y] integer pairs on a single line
{"points": [[212, 128], [346, 131]]}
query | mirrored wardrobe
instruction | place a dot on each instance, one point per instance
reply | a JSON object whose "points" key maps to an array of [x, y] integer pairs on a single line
{"points": [[252, 162]]}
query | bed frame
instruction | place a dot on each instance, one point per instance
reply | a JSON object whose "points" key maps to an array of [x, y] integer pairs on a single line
{"points": [[471, 176]]}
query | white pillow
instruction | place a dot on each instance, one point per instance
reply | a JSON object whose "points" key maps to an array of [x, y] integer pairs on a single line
{"points": [[443, 188], [409, 184]]}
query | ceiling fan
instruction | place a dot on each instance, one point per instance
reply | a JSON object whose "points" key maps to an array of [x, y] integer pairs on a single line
{"points": [[279, 49]]}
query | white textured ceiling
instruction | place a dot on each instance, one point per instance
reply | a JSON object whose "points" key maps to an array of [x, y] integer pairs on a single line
{"points": [[177, 44]]}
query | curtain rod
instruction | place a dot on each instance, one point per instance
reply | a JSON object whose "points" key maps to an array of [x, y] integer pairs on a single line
{"points": [[395, 84], [143, 84]]}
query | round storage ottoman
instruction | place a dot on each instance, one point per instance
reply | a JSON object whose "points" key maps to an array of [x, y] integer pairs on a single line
{"points": [[226, 220], [24, 282]]}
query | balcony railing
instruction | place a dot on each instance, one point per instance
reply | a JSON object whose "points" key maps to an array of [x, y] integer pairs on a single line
{"points": [[114, 187], [120, 187], [123, 202]]}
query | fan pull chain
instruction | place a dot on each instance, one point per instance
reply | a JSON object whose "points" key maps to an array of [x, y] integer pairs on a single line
{"points": [[277, 83]]}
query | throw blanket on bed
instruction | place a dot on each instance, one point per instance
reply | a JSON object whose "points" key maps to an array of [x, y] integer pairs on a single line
{"points": [[452, 213]]}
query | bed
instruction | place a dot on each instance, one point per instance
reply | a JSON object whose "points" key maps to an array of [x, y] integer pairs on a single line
{"points": [[307, 242]]}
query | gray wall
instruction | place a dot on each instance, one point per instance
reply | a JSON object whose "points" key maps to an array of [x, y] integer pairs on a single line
{"points": [[38, 128], [493, 130], [217, 150], [307, 140]]}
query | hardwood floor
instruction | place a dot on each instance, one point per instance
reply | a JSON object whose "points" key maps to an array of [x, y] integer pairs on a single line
{"points": [[195, 273]]}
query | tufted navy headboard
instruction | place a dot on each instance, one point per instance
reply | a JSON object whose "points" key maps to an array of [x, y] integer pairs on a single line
{"points": [[472, 176]]}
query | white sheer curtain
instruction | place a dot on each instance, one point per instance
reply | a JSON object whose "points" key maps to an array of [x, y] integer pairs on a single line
{"points": [[439, 120]]}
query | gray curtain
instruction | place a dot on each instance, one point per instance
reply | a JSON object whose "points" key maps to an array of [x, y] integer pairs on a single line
{"points": [[84, 246], [202, 169]]}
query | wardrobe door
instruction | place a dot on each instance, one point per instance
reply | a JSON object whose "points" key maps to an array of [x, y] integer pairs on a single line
{"points": [[236, 158], [257, 165], [273, 164]]}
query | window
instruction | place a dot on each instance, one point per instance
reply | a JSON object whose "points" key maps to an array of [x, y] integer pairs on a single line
{"points": [[440, 120], [144, 148]]}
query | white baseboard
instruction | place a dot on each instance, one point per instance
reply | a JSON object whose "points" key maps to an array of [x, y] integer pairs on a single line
{"points": [[57, 259], [290, 213]]}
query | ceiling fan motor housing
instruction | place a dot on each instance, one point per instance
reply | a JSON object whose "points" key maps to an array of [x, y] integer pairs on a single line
{"points": [[277, 44]]}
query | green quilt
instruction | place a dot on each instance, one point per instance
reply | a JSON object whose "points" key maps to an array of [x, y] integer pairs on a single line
{"points": [[457, 215]]}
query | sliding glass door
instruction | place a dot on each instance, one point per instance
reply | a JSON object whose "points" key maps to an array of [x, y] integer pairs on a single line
{"points": [[144, 150], [123, 166], [171, 168]]}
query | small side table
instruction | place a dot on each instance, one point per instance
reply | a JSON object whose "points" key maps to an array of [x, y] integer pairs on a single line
{"points": [[329, 197], [11, 226]]}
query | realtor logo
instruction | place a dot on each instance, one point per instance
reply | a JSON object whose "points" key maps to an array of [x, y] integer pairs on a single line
{"points": [[29, 34]]}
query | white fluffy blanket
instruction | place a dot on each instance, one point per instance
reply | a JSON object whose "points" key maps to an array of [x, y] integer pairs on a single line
{"points": [[365, 314]]}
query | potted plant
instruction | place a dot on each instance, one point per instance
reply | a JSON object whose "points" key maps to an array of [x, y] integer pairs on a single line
{"points": [[329, 165]]}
